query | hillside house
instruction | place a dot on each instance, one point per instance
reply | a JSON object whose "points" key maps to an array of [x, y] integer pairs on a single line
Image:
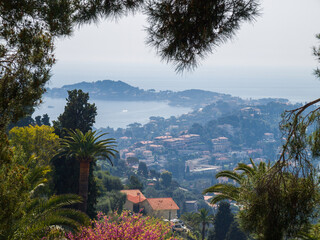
{"points": [[268, 137], [177, 143], [191, 138], [156, 207], [147, 154], [134, 201], [156, 148], [161, 208], [221, 144], [160, 139], [129, 154]]}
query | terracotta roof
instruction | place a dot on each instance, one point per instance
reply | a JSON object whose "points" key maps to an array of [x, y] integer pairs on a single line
{"points": [[155, 146], [134, 195], [162, 204], [207, 198], [130, 154], [190, 135], [146, 142], [162, 137]]}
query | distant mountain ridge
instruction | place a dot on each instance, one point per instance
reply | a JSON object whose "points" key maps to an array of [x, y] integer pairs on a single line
{"points": [[121, 91]]}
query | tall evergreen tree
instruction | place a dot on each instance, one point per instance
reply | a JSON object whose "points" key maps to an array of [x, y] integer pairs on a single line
{"points": [[222, 221], [38, 120], [45, 120], [235, 232], [143, 169], [166, 179], [78, 114]]}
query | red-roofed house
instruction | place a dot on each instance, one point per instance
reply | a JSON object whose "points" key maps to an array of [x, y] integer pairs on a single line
{"points": [[134, 200], [161, 208], [157, 207]]}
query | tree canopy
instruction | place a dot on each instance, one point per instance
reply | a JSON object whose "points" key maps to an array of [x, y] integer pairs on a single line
{"points": [[78, 113], [39, 141], [183, 31], [166, 178], [222, 221]]}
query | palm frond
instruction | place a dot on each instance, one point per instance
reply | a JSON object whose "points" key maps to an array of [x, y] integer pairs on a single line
{"points": [[87, 146], [41, 214], [249, 171], [222, 197], [263, 167], [245, 179], [253, 165], [230, 174], [227, 191], [59, 201], [37, 177]]}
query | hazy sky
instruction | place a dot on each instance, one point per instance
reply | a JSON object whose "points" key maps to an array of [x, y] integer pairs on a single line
{"points": [[275, 51]]}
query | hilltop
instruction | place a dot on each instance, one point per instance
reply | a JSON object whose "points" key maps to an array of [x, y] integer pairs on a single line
{"points": [[121, 91]]}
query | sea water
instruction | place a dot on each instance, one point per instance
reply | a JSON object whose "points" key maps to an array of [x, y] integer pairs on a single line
{"points": [[115, 114]]}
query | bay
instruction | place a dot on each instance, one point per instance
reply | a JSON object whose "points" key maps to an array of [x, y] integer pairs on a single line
{"points": [[115, 114]]}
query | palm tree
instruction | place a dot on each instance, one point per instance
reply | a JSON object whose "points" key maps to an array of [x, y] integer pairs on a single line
{"points": [[86, 148], [35, 213], [270, 209], [204, 218], [190, 220], [43, 216], [226, 191]]}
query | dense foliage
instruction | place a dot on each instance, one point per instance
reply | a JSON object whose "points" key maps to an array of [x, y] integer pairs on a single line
{"points": [[110, 198], [27, 33], [27, 209], [78, 114], [225, 225], [125, 227], [222, 221], [86, 148], [40, 141], [269, 209]]}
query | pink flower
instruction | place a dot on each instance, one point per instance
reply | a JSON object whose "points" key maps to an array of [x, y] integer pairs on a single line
{"points": [[124, 227]]}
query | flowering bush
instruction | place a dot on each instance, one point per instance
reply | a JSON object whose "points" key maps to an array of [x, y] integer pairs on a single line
{"points": [[124, 226]]}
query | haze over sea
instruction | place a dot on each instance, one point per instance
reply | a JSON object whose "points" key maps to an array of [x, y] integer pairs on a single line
{"points": [[115, 114], [296, 83], [121, 113]]}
